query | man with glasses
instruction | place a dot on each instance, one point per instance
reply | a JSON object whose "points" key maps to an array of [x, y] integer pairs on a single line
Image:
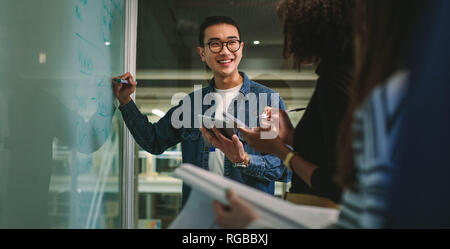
{"points": [[220, 47]]}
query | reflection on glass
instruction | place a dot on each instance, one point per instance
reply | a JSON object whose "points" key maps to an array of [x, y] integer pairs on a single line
{"points": [[59, 131]]}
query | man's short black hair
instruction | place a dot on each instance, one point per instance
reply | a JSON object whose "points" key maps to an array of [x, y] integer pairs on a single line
{"points": [[213, 20]]}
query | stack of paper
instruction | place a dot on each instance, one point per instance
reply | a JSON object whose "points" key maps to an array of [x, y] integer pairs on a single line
{"points": [[206, 187]]}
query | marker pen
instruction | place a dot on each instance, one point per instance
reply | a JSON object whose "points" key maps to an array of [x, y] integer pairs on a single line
{"points": [[123, 81]]}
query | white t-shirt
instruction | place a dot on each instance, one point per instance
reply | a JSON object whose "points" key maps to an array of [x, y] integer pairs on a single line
{"points": [[217, 158]]}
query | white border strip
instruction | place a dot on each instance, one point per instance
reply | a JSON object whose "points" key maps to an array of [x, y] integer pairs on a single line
{"points": [[128, 184]]}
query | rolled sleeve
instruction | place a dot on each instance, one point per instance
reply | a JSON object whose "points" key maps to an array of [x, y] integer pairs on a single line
{"points": [[267, 167]]}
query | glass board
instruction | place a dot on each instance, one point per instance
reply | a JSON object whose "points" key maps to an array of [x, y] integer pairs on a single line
{"points": [[60, 139]]}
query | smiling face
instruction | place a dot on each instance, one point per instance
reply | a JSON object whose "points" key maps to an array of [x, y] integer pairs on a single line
{"points": [[224, 63]]}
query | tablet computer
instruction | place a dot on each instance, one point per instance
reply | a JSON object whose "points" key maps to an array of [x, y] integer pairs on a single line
{"points": [[231, 118], [224, 126]]}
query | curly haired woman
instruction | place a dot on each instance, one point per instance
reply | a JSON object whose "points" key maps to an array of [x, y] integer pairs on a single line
{"points": [[319, 32]]}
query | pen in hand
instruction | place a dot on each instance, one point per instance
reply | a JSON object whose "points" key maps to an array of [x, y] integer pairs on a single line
{"points": [[296, 110], [123, 81], [264, 115]]}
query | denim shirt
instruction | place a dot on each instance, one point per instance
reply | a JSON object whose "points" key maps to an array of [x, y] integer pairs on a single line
{"points": [[155, 138]]}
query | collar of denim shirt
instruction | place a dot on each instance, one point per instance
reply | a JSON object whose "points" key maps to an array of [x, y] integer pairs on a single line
{"points": [[244, 89]]}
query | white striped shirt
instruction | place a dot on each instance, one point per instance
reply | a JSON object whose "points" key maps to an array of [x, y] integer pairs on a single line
{"points": [[374, 129]]}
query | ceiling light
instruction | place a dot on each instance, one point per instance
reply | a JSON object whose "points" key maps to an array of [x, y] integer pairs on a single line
{"points": [[256, 42], [42, 58]]}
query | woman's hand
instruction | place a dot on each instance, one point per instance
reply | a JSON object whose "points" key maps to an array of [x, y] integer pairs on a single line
{"points": [[280, 124], [276, 130], [254, 138], [237, 216]]}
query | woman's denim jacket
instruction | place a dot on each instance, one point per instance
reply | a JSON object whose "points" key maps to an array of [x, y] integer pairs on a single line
{"points": [[155, 138]]}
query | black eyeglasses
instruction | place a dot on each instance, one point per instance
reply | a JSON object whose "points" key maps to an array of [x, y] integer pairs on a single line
{"points": [[217, 46]]}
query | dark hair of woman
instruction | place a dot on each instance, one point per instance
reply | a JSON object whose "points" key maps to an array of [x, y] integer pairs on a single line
{"points": [[382, 31], [317, 30]]}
